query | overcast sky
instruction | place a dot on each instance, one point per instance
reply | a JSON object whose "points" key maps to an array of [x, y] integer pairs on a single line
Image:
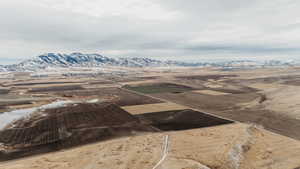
{"points": [[167, 29]]}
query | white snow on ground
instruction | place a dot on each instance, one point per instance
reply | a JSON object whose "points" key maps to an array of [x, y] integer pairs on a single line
{"points": [[8, 117], [93, 101], [236, 154]]}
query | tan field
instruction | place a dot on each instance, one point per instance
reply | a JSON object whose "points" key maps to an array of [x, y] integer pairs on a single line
{"points": [[211, 92], [130, 152], [149, 108]]}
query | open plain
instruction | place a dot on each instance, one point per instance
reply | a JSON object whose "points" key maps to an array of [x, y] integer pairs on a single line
{"points": [[153, 119]]}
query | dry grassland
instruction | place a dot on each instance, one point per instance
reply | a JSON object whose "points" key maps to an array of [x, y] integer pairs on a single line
{"points": [[149, 108], [210, 92], [224, 147]]}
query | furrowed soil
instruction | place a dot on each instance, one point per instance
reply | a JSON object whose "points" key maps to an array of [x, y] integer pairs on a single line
{"points": [[66, 127]]}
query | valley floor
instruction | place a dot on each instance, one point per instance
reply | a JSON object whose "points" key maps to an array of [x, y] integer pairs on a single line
{"points": [[199, 118]]}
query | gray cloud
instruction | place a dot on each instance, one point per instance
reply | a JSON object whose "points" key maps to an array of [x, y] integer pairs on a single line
{"points": [[166, 29]]}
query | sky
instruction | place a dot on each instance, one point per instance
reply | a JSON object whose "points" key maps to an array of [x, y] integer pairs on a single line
{"points": [[192, 30]]}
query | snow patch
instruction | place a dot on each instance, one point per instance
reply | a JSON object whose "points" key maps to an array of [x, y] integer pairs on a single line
{"points": [[8, 117], [236, 154], [93, 101]]}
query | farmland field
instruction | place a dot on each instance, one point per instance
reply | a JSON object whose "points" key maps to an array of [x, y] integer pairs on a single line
{"points": [[180, 120], [150, 108], [159, 88]]}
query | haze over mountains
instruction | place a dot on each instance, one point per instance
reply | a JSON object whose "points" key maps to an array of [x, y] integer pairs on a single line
{"points": [[52, 60]]}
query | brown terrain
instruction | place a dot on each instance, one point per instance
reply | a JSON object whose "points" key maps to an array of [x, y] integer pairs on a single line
{"points": [[208, 119]]}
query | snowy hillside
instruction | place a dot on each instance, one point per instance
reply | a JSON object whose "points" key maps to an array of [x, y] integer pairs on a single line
{"points": [[79, 60], [53, 60]]}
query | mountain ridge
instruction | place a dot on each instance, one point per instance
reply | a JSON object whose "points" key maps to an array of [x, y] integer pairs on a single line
{"points": [[52, 60]]}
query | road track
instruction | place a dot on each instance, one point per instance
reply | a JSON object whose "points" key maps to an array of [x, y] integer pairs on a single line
{"points": [[165, 152]]}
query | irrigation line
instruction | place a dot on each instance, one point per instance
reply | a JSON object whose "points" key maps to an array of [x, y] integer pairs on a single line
{"points": [[165, 152]]}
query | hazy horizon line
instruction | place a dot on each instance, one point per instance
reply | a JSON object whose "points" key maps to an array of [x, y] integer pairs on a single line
{"points": [[189, 59]]}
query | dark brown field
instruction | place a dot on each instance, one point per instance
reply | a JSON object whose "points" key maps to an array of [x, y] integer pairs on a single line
{"points": [[159, 88], [205, 77], [67, 127], [180, 120], [55, 88]]}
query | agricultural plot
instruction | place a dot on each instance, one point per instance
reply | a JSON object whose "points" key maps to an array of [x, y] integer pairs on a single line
{"points": [[159, 88], [45, 132], [206, 77], [100, 82], [66, 127], [55, 88], [83, 123], [42, 83], [180, 120], [210, 92], [15, 103], [209, 103], [118, 96], [150, 108], [4, 91], [16, 100], [230, 106], [241, 90]]}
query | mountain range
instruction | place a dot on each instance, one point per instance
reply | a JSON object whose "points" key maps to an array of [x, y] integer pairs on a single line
{"points": [[52, 60]]}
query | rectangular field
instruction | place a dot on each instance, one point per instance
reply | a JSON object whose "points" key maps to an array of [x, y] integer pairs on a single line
{"points": [[159, 88], [56, 88], [206, 77], [181, 120], [4, 91], [149, 108], [210, 92]]}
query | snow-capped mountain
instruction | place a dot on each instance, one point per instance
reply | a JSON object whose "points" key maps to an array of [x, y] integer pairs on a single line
{"points": [[53, 60], [79, 60], [1, 67], [92, 60], [74, 59]]}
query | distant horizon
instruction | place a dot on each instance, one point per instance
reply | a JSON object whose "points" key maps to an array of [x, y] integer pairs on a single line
{"points": [[189, 59]]}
